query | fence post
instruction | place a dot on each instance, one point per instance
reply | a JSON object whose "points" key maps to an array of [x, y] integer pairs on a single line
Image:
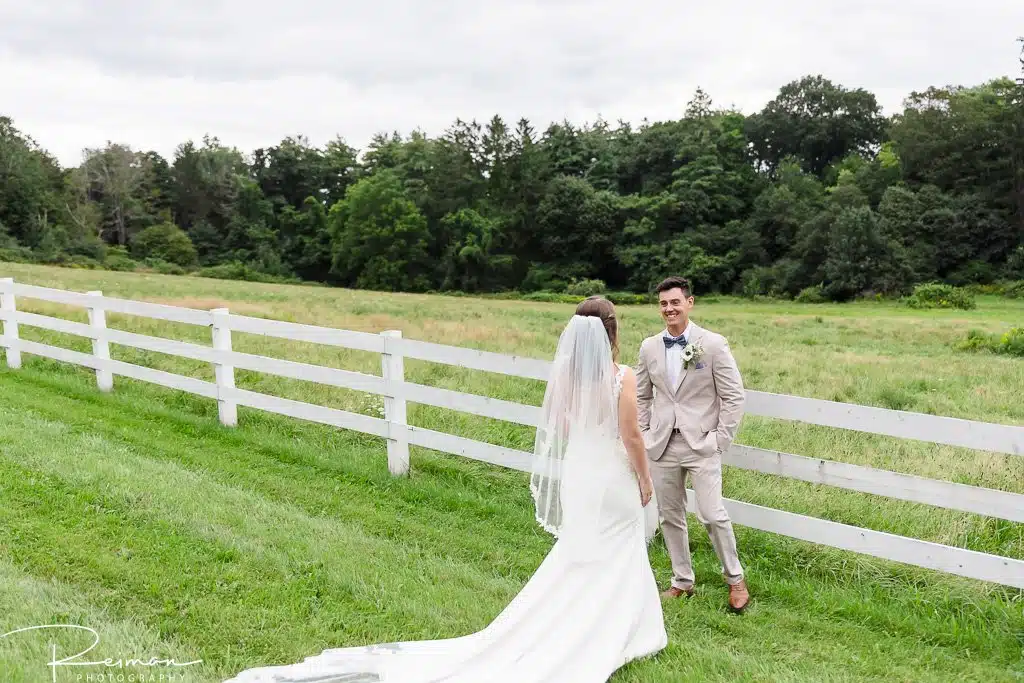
{"points": [[393, 370], [10, 326], [225, 374], [100, 347]]}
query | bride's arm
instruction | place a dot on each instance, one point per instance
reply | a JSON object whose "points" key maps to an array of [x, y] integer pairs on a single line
{"points": [[644, 392], [629, 427]]}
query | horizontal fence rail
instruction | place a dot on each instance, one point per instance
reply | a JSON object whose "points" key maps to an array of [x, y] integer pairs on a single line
{"points": [[951, 431], [397, 392]]}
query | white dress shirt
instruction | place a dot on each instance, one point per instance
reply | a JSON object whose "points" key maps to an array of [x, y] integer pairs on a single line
{"points": [[674, 358]]}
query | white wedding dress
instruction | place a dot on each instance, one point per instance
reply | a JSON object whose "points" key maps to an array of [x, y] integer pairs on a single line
{"points": [[592, 605]]}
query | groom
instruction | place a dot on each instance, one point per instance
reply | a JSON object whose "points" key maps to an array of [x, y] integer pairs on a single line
{"points": [[690, 376]]}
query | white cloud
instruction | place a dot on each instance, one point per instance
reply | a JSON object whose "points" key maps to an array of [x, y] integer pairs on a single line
{"points": [[153, 74]]}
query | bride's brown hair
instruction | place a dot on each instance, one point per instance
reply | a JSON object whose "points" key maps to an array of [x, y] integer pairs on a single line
{"points": [[599, 307]]}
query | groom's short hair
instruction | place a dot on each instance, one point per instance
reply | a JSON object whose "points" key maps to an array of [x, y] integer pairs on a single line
{"points": [[674, 282]]}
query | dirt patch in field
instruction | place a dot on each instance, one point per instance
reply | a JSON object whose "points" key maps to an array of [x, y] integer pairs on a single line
{"points": [[206, 304], [376, 322], [458, 332]]}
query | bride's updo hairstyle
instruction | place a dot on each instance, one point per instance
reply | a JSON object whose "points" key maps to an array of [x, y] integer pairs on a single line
{"points": [[599, 307]]}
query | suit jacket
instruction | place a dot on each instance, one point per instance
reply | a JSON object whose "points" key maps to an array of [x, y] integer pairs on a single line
{"points": [[706, 404]]}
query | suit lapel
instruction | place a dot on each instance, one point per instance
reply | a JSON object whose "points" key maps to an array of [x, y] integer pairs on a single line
{"points": [[659, 365], [696, 334]]}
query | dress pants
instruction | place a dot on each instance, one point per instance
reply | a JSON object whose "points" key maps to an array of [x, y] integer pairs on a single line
{"points": [[670, 473]]}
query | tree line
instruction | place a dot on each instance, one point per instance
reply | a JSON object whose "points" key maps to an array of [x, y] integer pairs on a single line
{"points": [[817, 192]]}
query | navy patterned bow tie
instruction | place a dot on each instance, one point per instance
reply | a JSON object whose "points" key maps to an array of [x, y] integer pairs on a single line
{"points": [[670, 341]]}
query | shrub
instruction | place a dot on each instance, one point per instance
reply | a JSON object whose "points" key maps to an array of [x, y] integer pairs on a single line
{"points": [[78, 261], [1014, 269], [552, 297], [991, 288], [17, 254], [781, 280], [118, 259], [1013, 290], [585, 288], [762, 281], [166, 242], [236, 270], [542, 278], [976, 341], [630, 299], [811, 295], [973, 272], [1010, 343], [617, 298], [165, 267], [936, 295]]}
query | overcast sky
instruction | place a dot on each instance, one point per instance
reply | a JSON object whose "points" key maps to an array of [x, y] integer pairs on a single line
{"points": [[153, 73]]}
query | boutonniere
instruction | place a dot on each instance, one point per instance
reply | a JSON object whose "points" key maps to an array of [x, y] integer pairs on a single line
{"points": [[692, 353]]}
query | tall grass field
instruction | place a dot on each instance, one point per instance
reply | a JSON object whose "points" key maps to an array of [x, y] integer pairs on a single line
{"points": [[137, 515]]}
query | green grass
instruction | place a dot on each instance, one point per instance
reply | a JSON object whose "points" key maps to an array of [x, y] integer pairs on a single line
{"points": [[137, 514]]}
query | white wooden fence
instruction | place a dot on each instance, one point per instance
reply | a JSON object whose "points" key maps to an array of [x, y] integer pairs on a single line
{"points": [[397, 392]]}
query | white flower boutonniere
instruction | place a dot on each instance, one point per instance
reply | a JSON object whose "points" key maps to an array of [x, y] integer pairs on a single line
{"points": [[692, 353]]}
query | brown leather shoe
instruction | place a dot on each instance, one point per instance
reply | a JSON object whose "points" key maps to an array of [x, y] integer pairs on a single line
{"points": [[674, 592], [738, 596]]}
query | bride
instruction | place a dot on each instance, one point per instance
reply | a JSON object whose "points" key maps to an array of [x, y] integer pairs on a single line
{"points": [[593, 604]]}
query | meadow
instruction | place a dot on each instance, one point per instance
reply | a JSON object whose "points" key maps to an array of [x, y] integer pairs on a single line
{"points": [[137, 514]]}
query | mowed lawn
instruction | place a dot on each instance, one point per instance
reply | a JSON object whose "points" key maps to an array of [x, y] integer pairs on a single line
{"points": [[136, 514]]}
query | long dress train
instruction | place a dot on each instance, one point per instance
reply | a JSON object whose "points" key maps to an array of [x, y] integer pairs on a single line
{"points": [[591, 606]]}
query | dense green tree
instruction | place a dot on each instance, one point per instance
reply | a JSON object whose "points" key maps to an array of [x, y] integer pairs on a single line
{"points": [[306, 240], [29, 186], [860, 259], [116, 176], [817, 189], [577, 226], [474, 260], [818, 122], [206, 188], [166, 242], [380, 239]]}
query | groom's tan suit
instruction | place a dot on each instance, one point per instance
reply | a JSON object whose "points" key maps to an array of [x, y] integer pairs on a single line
{"points": [[689, 417]]}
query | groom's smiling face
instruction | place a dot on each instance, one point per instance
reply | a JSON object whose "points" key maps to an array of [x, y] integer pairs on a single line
{"points": [[675, 305]]}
